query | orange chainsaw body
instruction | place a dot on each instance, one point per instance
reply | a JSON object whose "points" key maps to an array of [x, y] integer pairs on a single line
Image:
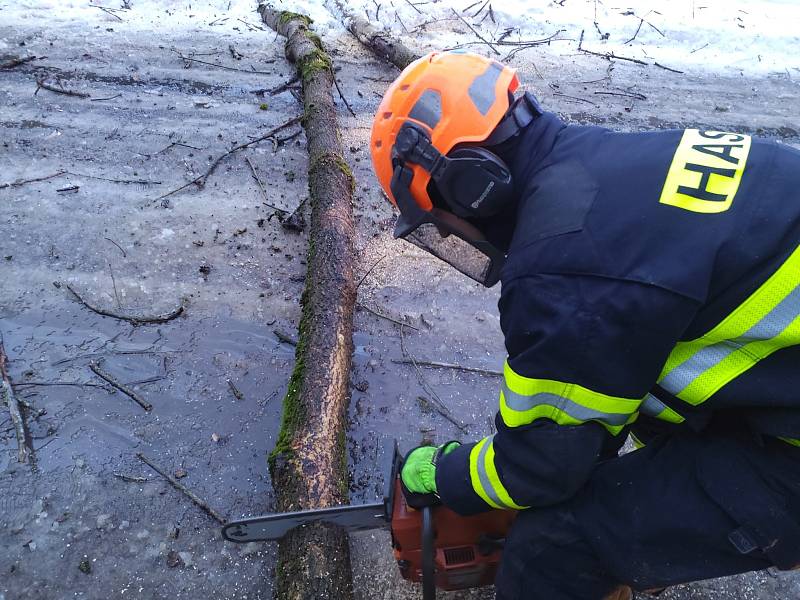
{"points": [[467, 550]]}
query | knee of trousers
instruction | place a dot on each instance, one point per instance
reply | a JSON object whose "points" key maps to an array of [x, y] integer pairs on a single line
{"points": [[545, 556]]}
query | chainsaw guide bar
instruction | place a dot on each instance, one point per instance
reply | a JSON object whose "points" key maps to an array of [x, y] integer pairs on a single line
{"points": [[271, 528]]}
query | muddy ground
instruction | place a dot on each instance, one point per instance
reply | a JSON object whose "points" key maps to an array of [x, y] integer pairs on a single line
{"points": [[91, 520]]}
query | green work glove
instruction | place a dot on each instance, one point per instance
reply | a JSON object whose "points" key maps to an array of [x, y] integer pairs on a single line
{"points": [[418, 474]]}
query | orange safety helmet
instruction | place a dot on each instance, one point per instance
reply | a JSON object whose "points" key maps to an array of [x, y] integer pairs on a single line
{"points": [[434, 131], [456, 96]]}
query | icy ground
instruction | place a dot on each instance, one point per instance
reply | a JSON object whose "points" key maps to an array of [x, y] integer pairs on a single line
{"points": [[93, 521]]}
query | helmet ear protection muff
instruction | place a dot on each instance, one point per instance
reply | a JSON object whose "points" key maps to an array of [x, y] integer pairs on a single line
{"points": [[473, 181]]}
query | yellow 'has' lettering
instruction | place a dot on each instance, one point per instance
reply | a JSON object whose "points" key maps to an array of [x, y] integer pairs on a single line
{"points": [[706, 171]]}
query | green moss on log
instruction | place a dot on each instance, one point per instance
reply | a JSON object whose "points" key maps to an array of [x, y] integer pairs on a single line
{"points": [[287, 15], [314, 39], [313, 63], [340, 164], [294, 413]]}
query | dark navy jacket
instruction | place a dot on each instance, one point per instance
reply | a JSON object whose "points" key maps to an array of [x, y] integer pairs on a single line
{"points": [[626, 244]]}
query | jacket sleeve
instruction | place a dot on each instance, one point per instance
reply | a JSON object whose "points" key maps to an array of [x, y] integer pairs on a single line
{"points": [[583, 352]]}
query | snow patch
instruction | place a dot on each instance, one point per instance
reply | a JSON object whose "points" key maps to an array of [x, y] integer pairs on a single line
{"points": [[753, 37]]}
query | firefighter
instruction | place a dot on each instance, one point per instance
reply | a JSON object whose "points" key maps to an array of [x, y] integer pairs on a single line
{"points": [[651, 287]]}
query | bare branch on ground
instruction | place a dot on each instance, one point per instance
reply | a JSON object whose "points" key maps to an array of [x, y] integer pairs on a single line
{"points": [[114, 382], [10, 399], [15, 62], [436, 402], [182, 488], [133, 319], [201, 180], [443, 365], [41, 84], [189, 59]]}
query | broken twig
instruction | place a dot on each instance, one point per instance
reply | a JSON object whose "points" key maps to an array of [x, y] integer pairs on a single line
{"points": [[435, 402], [124, 254], [443, 365], [219, 66], [607, 55], [121, 387], [108, 11], [63, 383], [109, 98], [387, 317], [641, 22], [237, 394], [15, 62], [133, 319], [20, 182], [668, 68], [131, 478], [125, 181], [182, 488], [341, 95], [473, 30], [635, 95], [578, 98], [280, 211], [278, 88], [7, 393], [365, 275], [43, 85], [201, 180]]}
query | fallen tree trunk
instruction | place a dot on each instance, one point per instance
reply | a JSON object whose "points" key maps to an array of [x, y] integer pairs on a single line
{"points": [[379, 41], [309, 465]]}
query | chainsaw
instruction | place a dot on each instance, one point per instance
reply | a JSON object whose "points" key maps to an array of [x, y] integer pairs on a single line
{"points": [[433, 545]]}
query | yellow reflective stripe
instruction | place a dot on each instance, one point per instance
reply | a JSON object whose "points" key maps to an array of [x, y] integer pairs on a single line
{"points": [[792, 441], [670, 416], [764, 323], [637, 443], [682, 352], [525, 399], [476, 455], [514, 418], [655, 408], [498, 490], [736, 363]]}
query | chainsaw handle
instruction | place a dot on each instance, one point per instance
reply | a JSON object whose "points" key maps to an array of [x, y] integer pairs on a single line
{"points": [[428, 555]]}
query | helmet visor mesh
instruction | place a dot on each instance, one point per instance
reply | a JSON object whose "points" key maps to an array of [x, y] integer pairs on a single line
{"points": [[456, 252]]}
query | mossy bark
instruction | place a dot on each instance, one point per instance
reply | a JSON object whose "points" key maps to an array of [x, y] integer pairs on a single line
{"points": [[378, 40], [308, 465]]}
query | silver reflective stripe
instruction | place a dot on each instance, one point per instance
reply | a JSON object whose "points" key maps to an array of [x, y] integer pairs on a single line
{"points": [[483, 476], [684, 374], [771, 325], [522, 403], [652, 406]]}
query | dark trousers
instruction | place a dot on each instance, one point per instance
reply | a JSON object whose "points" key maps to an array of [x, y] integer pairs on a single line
{"points": [[683, 508]]}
